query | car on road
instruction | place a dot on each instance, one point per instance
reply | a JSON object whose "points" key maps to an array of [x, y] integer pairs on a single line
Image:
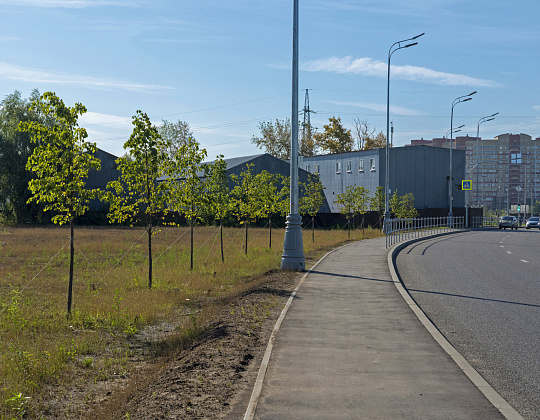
{"points": [[508, 221], [533, 222]]}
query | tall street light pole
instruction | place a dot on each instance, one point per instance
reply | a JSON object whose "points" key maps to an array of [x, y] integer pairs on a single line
{"points": [[293, 244], [456, 101], [480, 121], [395, 46]]}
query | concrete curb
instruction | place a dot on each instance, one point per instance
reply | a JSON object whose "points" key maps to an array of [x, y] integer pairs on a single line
{"points": [[498, 402], [250, 412]]}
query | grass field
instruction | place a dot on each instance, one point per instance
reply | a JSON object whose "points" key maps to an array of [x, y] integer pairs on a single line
{"points": [[42, 350]]}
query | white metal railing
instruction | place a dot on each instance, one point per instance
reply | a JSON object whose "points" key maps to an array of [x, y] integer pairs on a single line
{"points": [[398, 230]]}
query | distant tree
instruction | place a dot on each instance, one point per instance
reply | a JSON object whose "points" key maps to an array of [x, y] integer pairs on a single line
{"points": [[311, 200], [536, 208], [15, 149], [188, 189], [244, 199], [335, 138], [61, 160], [378, 204], [377, 142], [275, 138], [175, 134], [137, 195], [218, 190], [362, 131]]}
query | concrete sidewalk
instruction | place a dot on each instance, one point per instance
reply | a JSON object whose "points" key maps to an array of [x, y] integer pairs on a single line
{"points": [[350, 347]]}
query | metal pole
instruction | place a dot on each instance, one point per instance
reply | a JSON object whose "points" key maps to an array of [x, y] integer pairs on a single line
{"points": [[293, 244], [387, 157]]}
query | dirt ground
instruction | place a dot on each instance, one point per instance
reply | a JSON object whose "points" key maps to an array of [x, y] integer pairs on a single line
{"points": [[213, 378]]}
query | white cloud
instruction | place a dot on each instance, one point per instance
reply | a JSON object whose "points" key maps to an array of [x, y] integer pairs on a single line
{"points": [[96, 118], [71, 4], [396, 110], [369, 67], [32, 75]]}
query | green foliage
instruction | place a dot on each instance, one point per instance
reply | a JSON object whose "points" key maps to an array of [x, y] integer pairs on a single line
{"points": [[61, 159], [244, 196], [275, 139], [217, 185], [536, 208], [188, 190], [378, 203], [403, 206], [335, 138], [15, 149], [269, 193], [175, 135], [139, 194], [312, 197]]}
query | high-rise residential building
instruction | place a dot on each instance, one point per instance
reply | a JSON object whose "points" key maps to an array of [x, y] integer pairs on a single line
{"points": [[505, 170]]}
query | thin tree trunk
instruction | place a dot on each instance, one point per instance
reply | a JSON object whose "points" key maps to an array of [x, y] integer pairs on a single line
{"points": [[150, 256], [71, 257], [221, 239], [270, 222], [349, 226], [191, 229], [246, 243], [362, 224], [313, 228]]}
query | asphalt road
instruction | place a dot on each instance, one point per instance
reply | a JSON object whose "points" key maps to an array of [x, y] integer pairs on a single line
{"points": [[482, 290]]}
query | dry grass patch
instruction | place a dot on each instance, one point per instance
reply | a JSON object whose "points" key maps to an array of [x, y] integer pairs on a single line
{"points": [[116, 320]]}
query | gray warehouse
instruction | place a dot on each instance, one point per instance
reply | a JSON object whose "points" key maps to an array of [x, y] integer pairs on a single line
{"points": [[421, 170]]}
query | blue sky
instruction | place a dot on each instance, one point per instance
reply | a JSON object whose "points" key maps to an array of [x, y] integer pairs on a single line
{"points": [[225, 66]]}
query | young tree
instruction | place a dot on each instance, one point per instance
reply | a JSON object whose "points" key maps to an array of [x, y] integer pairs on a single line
{"points": [[335, 138], [218, 190], [362, 202], [348, 202], [244, 199], [407, 206], [312, 199], [188, 194], [137, 195], [378, 204], [61, 160], [403, 206], [269, 195]]}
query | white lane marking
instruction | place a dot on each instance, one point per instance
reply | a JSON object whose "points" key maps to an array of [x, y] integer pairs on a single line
{"points": [[508, 252], [525, 261], [502, 246]]}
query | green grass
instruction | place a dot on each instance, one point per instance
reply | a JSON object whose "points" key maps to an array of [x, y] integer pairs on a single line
{"points": [[42, 349]]}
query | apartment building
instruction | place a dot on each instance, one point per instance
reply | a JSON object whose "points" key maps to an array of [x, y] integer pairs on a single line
{"points": [[505, 170]]}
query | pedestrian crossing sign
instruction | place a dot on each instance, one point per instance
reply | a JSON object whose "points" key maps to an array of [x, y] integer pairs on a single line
{"points": [[466, 185]]}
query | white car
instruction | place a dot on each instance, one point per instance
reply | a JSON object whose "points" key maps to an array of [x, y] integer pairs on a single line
{"points": [[533, 222]]}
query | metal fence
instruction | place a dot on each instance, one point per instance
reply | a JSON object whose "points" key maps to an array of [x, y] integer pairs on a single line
{"points": [[485, 222], [398, 230]]}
